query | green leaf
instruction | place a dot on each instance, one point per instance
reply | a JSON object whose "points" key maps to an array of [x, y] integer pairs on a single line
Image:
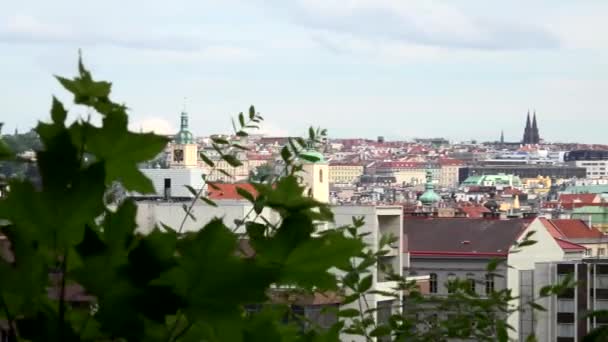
{"points": [[242, 119], [58, 112], [365, 284], [192, 190], [231, 160], [245, 194], [348, 313], [207, 160], [381, 330], [219, 141], [121, 151], [188, 212], [285, 154], [208, 201], [536, 306], [210, 275], [251, 112]]}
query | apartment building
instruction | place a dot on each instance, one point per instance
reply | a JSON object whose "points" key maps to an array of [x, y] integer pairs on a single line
{"points": [[345, 172], [565, 318], [450, 248]]}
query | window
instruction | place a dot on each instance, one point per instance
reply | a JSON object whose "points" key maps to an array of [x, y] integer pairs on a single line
{"points": [[321, 176], [471, 281], [433, 283], [588, 252], [601, 251], [565, 305], [489, 283], [565, 330], [451, 279], [178, 155]]}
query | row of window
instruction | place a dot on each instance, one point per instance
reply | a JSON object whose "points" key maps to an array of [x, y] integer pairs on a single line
{"points": [[434, 281], [600, 252]]}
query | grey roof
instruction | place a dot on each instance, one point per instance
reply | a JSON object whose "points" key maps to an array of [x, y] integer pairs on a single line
{"points": [[462, 235]]}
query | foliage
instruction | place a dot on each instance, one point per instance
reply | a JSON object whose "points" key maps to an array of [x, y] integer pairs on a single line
{"points": [[196, 286]]}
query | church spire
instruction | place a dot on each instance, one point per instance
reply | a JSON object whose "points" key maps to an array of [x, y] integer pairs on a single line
{"points": [[535, 137], [502, 137], [527, 130]]}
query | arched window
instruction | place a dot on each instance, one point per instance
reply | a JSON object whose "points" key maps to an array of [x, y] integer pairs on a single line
{"points": [[320, 175], [489, 283], [433, 283]]}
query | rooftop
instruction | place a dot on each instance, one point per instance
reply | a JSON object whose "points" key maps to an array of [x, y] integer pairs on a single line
{"points": [[462, 236]]}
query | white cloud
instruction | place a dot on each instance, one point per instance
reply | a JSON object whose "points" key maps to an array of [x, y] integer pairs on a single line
{"points": [[420, 22], [272, 130], [152, 124], [191, 46]]}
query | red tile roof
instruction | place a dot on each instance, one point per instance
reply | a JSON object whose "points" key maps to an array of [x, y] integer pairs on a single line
{"points": [[571, 229], [569, 246], [578, 198], [474, 211], [227, 191], [404, 165]]}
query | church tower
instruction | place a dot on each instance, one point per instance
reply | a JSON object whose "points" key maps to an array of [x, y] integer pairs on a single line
{"points": [[535, 137], [184, 151], [527, 131], [315, 175]]}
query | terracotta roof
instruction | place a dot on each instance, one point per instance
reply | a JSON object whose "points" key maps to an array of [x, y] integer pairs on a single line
{"points": [[569, 246], [571, 229], [462, 236], [450, 161], [405, 165], [228, 191], [578, 198], [474, 211]]}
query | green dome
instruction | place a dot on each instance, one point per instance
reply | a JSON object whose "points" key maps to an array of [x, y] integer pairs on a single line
{"points": [[313, 154], [429, 196], [184, 136]]}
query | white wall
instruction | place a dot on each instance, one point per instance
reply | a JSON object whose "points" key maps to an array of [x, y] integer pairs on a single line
{"points": [[545, 249], [152, 213], [179, 178]]}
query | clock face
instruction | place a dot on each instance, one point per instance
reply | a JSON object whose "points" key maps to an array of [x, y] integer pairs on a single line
{"points": [[178, 155]]}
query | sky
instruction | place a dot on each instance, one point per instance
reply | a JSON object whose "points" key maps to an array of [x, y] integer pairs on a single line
{"points": [[360, 68]]}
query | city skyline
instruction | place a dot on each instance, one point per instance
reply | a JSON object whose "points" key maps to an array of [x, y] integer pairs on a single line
{"points": [[460, 70]]}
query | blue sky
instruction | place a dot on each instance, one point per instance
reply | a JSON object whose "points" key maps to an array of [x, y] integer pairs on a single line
{"points": [[402, 69]]}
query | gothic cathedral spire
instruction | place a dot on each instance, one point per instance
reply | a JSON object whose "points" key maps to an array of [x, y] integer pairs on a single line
{"points": [[527, 131]]}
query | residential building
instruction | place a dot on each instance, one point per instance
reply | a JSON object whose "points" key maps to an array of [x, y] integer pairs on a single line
{"points": [[449, 169], [565, 317], [410, 173], [595, 216], [577, 231], [526, 171], [499, 181], [379, 221], [449, 248], [594, 162], [345, 172]]}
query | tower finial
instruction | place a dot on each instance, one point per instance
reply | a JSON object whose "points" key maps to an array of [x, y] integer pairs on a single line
{"points": [[184, 104]]}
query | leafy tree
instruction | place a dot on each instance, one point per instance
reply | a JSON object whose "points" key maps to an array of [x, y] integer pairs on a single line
{"points": [[170, 285]]}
